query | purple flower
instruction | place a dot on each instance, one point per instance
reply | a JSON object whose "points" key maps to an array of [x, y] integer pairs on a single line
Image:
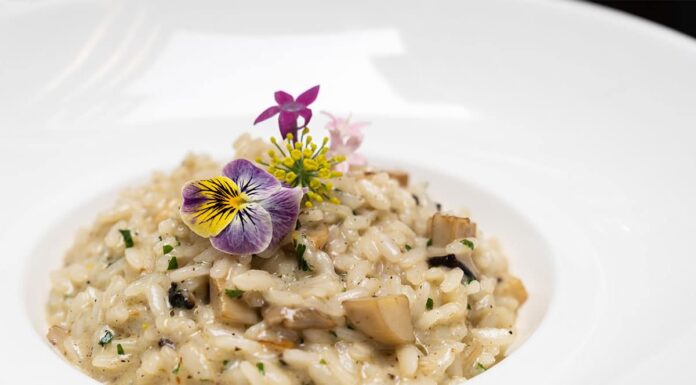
{"points": [[245, 211], [290, 109], [346, 137]]}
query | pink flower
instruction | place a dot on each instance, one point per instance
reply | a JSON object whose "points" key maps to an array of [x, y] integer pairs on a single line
{"points": [[290, 109], [346, 137]]}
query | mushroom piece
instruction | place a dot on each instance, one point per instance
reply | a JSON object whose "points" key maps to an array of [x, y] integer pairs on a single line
{"points": [[56, 335], [386, 319], [463, 262], [297, 318], [510, 286], [318, 236], [232, 310], [445, 229]]}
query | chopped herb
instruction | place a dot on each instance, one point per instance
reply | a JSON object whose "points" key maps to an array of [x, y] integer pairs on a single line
{"points": [[429, 304], [119, 350], [173, 264], [430, 243], [333, 333], [178, 298], [408, 247], [108, 336], [468, 306], [282, 362], [234, 293], [468, 243], [127, 238], [178, 367], [178, 242], [159, 237], [322, 361], [451, 261], [166, 249], [261, 368], [301, 262], [480, 366], [225, 362]]}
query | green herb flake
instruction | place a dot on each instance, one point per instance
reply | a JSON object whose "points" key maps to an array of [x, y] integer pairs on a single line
{"points": [[468, 243], [173, 264], [408, 247], [430, 243], [166, 249], [127, 238], [468, 306], [301, 262], [480, 366], [322, 361], [429, 304], [261, 368], [178, 242], [108, 336], [119, 350], [234, 293], [178, 367]]}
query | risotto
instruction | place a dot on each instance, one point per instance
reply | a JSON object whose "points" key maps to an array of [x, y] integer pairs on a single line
{"points": [[380, 285]]}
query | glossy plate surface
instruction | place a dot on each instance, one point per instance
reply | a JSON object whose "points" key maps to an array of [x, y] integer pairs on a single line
{"points": [[568, 129]]}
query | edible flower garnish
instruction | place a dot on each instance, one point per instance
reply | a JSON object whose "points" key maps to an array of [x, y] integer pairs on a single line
{"points": [[289, 110], [346, 137], [244, 211], [303, 163]]}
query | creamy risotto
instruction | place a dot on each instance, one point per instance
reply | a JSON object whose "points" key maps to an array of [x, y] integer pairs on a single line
{"points": [[383, 285]]}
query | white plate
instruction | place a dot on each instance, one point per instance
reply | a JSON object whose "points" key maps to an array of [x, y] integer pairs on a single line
{"points": [[568, 129]]}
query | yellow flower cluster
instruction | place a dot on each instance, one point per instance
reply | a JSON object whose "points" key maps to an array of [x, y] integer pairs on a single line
{"points": [[303, 163]]}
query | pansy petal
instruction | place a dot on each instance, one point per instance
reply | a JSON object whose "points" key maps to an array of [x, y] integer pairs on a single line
{"points": [[308, 97], [268, 113], [253, 181], [284, 207], [282, 97], [306, 114], [288, 123], [250, 232], [210, 205]]}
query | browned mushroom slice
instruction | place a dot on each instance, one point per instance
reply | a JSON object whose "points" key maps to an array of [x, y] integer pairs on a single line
{"points": [[318, 236], [297, 318], [400, 176], [445, 229], [232, 310], [512, 287], [386, 319]]}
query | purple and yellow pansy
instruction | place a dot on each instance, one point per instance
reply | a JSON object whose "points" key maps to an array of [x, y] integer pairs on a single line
{"points": [[244, 211]]}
